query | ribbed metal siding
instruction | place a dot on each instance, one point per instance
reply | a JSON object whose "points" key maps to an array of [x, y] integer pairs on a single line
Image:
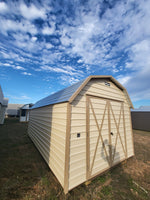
{"points": [[141, 120]]}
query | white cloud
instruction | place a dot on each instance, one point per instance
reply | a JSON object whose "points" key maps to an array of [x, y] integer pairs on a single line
{"points": [[3, 7], [68, 79], [19, 67], [64, 69], [123, 79], [54, 69], [48, 45], [80, 61], [65, 40], [11, 25], [27, 73], [34, 39], [32, 12], [48, 30], [19, 97], [7, 64], [13, 66]]}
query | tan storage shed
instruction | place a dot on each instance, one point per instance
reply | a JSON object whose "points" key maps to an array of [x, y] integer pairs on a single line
{"points": [[83, 130]]}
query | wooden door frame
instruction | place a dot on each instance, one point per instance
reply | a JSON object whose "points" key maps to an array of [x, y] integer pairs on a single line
{"points": [[108, 105]]}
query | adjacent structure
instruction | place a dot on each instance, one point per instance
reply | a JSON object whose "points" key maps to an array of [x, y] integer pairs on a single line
{"points": [[141, 118], [24, 112], [3, 106], [83, 130], [13, 110]]}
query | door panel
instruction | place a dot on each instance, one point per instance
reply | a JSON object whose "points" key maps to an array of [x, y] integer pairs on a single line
{"points": [[98, 135], [106, 134], [118, 136]]}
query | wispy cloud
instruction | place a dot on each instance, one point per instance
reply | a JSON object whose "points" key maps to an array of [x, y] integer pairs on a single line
{"points": [[19, 97], [32, 12], [3, 7], [48, 30], [13, 66], [67, 79], [64, 69], [26, 73]]}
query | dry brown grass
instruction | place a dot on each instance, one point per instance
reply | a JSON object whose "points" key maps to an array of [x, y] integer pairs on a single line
{"points": [[25, 175]]}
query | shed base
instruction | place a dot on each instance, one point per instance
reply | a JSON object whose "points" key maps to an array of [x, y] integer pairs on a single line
{"points": [[122, 162]]}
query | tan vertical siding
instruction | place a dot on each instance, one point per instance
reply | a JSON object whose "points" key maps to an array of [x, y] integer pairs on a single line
{"points": [[96, 87], [47, 129]]}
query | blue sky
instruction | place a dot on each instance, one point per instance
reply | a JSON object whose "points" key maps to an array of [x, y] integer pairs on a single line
{"points": [[47, 45]]}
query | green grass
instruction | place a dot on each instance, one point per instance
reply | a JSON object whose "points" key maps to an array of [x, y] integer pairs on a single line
{"points": [[24, 175], [102, 179]]}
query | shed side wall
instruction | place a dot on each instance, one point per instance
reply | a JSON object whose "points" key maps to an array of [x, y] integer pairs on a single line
{"points": [[140, 120], [2, 113], [77, 172], [47, 129]]}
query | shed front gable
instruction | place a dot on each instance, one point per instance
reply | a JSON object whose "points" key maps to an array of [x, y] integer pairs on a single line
{"points": [[106, 80], [100, 88]]}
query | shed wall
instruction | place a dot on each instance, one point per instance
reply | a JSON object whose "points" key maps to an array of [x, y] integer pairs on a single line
{"points": [[140, 120], [47, 129], [96, 87], [2, 113]]}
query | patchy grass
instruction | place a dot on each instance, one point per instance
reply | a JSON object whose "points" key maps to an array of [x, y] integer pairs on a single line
{"points": [[24, 175]]}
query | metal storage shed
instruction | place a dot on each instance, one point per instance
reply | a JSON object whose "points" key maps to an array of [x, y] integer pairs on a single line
{"points": [[13, 110], [83, 130], [141, 118], [3, 106], [24, 112]]}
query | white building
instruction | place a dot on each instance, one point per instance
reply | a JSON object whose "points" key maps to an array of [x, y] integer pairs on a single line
{"points": [[24, 112], [13, 110], [3, 106]]}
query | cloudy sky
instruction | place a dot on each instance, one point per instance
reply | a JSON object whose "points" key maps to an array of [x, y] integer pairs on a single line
{"points": [[46, 45]]}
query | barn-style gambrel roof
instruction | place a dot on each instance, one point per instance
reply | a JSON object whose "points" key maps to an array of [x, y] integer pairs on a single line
{"points": [[69, 94]]}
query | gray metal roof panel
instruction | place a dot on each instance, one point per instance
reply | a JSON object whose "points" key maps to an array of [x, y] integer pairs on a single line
{"points": [[58, 97]]}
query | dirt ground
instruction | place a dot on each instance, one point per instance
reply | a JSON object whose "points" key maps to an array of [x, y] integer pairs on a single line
{"points": [[24, 175]]}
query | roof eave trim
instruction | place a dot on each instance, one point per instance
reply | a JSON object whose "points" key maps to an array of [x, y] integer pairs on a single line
{"points": [[79, 89]]}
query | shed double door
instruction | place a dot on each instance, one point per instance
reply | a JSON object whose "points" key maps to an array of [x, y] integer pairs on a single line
{"points": [[106, 134]]}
